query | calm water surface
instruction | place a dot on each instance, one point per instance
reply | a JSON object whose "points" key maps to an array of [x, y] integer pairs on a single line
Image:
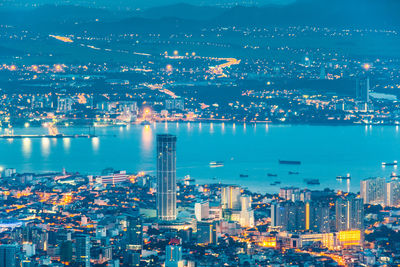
{"points": [[325, 152]]}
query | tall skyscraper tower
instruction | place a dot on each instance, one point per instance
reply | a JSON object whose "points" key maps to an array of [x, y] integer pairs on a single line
{"points": [[8, 255], [231, 197], [82, 250], [349, 213], [166, 177], [135, 234], [373, 190], [362, 89]]}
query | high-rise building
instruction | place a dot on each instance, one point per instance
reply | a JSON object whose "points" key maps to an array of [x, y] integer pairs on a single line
{"points": [[289, 215], [231, 197], [66, 252], [166, 177], [349, 213], [246, 212], [362, 89], [174, 104], [134, 234], [202, 210], [290, 193], [317, 216], [8, 257], [392, 197], [373, 191], [82, 250], [207, 232], [173, 256]]}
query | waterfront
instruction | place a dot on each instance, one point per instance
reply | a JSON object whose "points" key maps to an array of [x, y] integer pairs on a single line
{"points": [[254, 150]]}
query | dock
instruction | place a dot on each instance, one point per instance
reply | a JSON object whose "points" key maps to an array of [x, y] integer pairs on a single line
{"points": [[55, 136]]}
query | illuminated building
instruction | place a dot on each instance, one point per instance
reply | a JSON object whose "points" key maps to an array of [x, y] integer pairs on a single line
{"points": [[207, 233], [82, 250], [135, 234], [317, 217], [64, 104], [201, 210], [246, 213], [349, 213], [174, 104], [290, 193], [166, 177], [215, 210], [392, 197], [349, 238], [113, 178], [373, 191], [332, 241], [268, 242], [289, 215], [173, 256], [231, 197]]}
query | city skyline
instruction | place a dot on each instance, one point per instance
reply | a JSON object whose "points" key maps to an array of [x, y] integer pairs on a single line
{"points": [[199, 133]]}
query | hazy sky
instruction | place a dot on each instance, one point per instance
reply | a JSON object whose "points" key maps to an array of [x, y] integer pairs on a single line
{"points": [[132, 4]]}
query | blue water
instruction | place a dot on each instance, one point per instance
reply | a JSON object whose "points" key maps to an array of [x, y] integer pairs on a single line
{"points": [[325, 152]]}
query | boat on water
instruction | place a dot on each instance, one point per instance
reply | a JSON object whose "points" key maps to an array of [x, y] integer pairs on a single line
{"points": [[290, 162], [243, 175], [215, 164], [272, 175], [394, 163], [346, 177], [312, 181], [394, 175], [293, 173]]}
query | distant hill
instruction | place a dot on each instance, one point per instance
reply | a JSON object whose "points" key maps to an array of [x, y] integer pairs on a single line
{"points": [[183, 11], [338, 13], [185, 17]]}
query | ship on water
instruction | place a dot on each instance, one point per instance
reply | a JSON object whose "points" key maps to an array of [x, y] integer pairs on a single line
{"points": [[290, 162], [312, 181], [394, 163], [216, 164], [345, 177]]}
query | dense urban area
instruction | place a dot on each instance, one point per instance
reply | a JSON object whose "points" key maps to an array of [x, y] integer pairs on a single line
{"points": [[65, 66], [118, 218]]}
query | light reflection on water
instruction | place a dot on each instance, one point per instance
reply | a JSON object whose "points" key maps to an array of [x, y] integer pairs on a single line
{"points": [[27, 147], [325, 152], [95, 144], [45, 149], [67, 144]]}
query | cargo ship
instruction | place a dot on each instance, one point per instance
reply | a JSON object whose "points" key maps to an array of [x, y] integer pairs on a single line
{"points": [[243, 175], [312, 181], [272, 175], [394, 163], [215, 164], [293, 173], [290, 162], [346, 177]]}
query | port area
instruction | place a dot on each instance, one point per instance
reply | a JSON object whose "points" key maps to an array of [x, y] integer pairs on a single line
{"points": [[48, 136]]}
